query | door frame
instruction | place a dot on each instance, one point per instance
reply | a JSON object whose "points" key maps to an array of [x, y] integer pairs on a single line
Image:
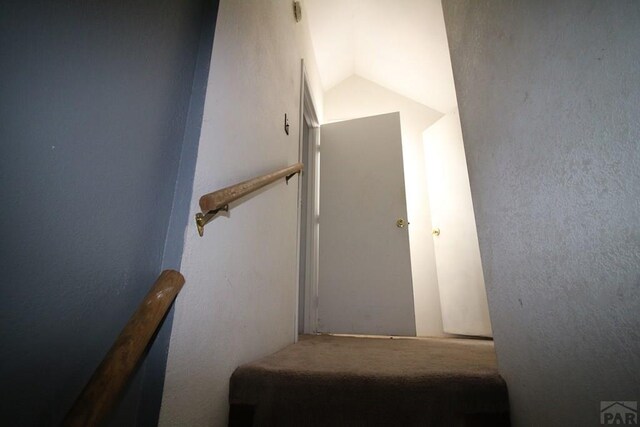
{"points": [[308, 114]]}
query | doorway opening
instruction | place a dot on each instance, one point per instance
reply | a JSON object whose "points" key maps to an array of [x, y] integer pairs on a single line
{"points": [[374, 59]]}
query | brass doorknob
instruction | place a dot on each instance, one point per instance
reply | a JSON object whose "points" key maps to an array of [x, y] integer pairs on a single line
{"points": [[401, 223], [436, 232]]}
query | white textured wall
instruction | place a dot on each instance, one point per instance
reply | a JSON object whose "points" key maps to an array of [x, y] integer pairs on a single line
{"points": [[549, 100], [357, 97], [239, 300]]}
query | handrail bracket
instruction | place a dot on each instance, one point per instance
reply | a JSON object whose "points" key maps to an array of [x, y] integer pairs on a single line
{"points": [[288, 177], [204, 219]]}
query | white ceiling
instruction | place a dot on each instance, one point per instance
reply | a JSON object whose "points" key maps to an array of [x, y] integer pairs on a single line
{"points": [[398, 44]]}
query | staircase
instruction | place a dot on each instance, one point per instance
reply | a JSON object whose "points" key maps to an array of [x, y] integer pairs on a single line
{"points": [[364, 381]]}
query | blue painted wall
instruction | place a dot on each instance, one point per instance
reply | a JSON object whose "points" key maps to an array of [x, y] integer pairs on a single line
{"points": [[100, 109]]}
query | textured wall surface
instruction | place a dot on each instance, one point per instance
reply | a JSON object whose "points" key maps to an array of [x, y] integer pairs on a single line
{"points": [[356, 97], [93, 105], [240, 301], [549, 102]]}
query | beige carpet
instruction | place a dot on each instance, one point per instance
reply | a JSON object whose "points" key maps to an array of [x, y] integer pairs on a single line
{"points": [[356, 381]]}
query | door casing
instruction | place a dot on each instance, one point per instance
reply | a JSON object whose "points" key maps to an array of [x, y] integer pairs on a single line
{"points": [[309, 282]]}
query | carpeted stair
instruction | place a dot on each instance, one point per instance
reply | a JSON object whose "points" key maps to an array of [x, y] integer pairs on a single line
{"points": [[352, 381]]}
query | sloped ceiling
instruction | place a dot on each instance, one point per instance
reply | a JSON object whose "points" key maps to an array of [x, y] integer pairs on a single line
{"points": [[398, 44]]}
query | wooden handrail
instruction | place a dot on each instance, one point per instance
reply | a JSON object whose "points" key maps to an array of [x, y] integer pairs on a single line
{"points": [[220, 198], [109, 379], [212, 203]]}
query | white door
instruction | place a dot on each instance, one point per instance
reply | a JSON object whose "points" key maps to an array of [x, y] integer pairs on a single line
{"points": [[364, 282], [460, 280]]}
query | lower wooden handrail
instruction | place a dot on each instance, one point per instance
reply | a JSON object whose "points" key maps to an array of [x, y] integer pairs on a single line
{"points": [[105, 386]]}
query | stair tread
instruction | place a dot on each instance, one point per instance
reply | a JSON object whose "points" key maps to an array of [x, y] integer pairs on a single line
{"points": [[373, 375]]}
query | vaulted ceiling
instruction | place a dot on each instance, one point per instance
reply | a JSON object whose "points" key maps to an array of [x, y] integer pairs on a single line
{"points": [[398, 44]]}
